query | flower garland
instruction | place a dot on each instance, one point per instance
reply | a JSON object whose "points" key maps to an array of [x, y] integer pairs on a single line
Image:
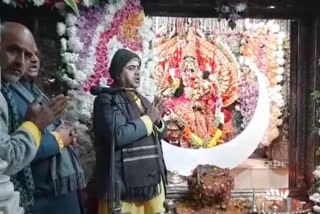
{"points": [[51, 3], [36, 3], [264, 43], [94, 37], [315, 191], [248, 93]]}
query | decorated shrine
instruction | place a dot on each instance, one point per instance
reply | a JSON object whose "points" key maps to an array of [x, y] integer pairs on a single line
{"points": [[238, 79], [204, 82]]}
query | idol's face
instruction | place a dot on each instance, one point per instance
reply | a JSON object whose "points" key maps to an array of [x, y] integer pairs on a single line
{"points": [[130, 74]]}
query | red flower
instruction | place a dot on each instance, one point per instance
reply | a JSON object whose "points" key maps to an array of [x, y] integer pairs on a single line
{"points": [[227, 115]]}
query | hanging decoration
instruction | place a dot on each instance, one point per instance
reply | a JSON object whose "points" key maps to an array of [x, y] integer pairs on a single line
{"points": [[314, 192], [230, 10], [264, 44]]}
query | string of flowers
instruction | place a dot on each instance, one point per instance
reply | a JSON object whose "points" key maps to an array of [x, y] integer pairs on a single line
{"points": [[314, 191], [264, 42], [248, 95], [87, 24]]}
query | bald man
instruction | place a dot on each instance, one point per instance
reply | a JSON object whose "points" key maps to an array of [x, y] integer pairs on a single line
{"points": [[57, 173], [19, 142]]}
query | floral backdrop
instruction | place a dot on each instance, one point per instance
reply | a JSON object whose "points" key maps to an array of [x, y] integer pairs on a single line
{"points": [[88, 42]]}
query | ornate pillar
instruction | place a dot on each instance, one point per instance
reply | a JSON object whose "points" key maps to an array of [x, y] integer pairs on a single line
{"points": [[9, 199]]}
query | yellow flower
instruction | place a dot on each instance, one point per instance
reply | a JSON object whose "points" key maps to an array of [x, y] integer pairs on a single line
{"points": [[129, 28], [176, 84], [197, 139], [217, 135], [212, 143]]}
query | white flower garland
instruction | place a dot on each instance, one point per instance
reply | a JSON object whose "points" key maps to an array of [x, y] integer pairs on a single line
{"points": [[61, 28], [7, 1], [315, 197], [38, 3], [275, 92]]}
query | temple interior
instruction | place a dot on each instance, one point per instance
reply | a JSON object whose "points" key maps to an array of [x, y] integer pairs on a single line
{"points": [[234, 85]]}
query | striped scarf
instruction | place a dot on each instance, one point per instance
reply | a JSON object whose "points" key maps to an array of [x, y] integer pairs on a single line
{"points": [[142, 183]]}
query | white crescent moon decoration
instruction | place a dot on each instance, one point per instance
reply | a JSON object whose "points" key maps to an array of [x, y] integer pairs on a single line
{"points": [[232, 153]]}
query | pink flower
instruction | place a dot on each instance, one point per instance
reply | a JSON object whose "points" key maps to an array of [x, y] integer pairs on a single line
{"points": [[177, 73]]}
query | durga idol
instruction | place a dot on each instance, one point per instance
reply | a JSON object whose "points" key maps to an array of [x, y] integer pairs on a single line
{"points": [[199, 78]]}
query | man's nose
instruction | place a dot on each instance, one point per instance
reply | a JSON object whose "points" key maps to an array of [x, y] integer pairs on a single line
{"points": [[34, 59], [20, 59]]}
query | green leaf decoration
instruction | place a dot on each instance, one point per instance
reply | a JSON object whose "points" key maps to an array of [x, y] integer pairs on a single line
{"points": [[73, 6]]}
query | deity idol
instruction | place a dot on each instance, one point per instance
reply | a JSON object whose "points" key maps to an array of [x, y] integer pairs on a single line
{"points": [[199, 79]]}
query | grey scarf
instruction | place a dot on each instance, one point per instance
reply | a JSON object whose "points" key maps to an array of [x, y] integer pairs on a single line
{"points": [[66, 173]]}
